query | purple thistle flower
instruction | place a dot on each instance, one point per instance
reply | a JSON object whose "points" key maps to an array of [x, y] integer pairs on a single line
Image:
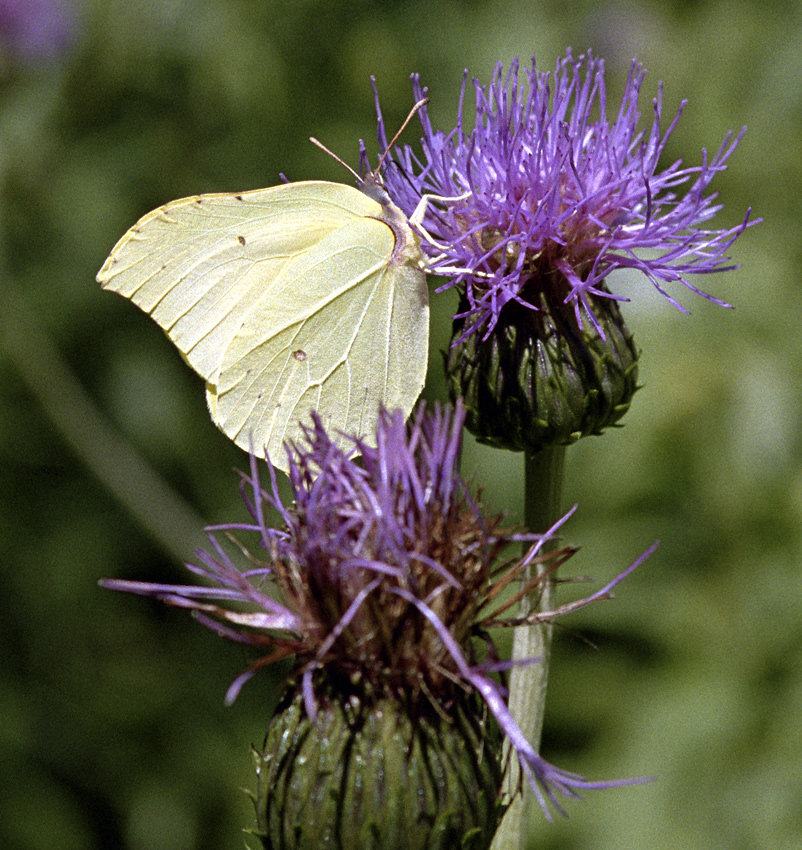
{"points": [[546, 188], [389, 576], [35, 30]]}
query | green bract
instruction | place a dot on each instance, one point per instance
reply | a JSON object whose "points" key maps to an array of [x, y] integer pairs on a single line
{"points": [[367, 775], [538, 379]]}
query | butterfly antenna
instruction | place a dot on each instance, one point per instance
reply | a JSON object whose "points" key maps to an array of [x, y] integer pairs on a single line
{"points": [[419, 105], [334, 156]]}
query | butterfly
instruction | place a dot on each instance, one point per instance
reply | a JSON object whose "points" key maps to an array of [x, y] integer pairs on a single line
{"points": [[302, 296]]}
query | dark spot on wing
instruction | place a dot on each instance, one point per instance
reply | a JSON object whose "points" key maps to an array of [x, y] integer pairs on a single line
{"points": [[299, 355], [238, 197], [241, 240]]}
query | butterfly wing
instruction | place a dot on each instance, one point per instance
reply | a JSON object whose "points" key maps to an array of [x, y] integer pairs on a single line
{"points": [[283, 299], [199, 265], [343, 328]]}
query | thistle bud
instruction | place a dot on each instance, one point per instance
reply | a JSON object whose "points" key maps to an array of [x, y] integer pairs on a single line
{"points": [[538, 379], [372, 774]]}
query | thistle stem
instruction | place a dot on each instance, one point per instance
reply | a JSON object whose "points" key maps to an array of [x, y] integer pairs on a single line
{"points": [[543, 491]]}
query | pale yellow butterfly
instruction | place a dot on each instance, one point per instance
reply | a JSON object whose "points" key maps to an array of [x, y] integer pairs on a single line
{"points": [[304, 296]]}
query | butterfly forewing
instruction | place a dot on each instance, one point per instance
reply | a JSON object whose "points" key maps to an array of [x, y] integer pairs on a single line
{"points": [[199, 265], [288, 299]]}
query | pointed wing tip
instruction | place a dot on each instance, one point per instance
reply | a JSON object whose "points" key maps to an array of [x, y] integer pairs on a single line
{"points": [[107, 271]]}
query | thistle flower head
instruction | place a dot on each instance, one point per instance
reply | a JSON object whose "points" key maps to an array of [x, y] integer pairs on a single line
{"points": [[548, 193], [36, 30], [381, 578]]}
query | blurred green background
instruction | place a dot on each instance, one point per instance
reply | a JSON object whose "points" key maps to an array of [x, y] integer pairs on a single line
{"points": [[113, 732]]}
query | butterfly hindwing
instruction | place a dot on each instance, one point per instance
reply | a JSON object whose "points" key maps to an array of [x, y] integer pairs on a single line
{"points": [[340, 350]]}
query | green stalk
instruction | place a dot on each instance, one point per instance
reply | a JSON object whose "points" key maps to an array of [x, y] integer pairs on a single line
{"points": [[543, 491]]}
